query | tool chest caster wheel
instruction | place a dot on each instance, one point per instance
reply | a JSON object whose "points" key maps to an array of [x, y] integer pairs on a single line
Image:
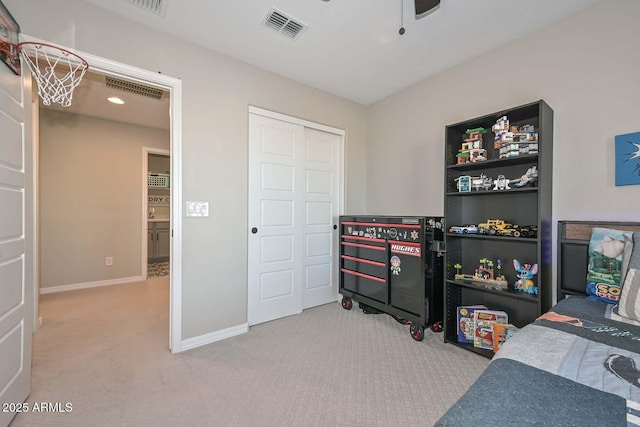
{"points": [[347, 304], [437, 326], [417, 332]]}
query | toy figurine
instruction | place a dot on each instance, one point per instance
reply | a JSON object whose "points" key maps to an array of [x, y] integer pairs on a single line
{"points": [[525, 273], [529, 178], [501, 183], [499, 269]]}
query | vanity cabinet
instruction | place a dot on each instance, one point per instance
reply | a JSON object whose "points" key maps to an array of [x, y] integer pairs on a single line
{"points": [[158, 240]]}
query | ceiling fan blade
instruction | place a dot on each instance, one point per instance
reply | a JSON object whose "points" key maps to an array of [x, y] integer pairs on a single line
{"points": [[424, 6]]}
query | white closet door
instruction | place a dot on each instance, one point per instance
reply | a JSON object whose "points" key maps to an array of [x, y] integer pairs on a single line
{"points": [[293, 204], [321, 204], [275, 239]]}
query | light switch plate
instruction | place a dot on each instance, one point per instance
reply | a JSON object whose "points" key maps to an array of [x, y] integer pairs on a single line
{"points": [[197, 209]]}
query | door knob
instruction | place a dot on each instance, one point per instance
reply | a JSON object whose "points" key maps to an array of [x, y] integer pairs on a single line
{"points": [[254, 230], [335, 227]]}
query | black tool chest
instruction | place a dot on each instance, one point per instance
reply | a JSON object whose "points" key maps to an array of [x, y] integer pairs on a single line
{"points": [[393, 264]]}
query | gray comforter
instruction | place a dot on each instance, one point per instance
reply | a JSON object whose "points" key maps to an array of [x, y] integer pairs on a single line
{"points": [[574, 366]]}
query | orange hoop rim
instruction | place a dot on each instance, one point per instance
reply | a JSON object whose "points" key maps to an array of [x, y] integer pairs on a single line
{"points": [[5, 47], [37, 45]]}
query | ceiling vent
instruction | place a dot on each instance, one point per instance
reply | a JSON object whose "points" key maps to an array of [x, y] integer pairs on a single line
{"points": [[283, 23], [159, 7], [134, 88]]}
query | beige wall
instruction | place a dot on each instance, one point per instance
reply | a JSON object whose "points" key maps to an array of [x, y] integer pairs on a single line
{"points": [[217, 91], [159, 163], [91, 197], [585, 67]]}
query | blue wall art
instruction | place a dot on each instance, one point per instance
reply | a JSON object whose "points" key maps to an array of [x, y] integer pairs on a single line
{"points": [[628, 159]]}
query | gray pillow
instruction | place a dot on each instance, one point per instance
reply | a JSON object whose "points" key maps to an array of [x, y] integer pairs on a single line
{"points": [[634, 259], [626, 257], [629, 303]]}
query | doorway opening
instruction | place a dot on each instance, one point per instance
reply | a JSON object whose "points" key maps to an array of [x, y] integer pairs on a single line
{"points": [[104, 68], [156, 254]]}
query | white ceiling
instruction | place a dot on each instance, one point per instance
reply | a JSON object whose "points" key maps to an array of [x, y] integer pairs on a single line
{"points": [[351, 48], [90, 99]]}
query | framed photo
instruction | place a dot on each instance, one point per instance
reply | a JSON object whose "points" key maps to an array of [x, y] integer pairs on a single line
{"points": [[9, 32], [628, 159]]}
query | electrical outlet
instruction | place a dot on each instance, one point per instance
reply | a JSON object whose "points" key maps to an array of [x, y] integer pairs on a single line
{"points": [[108, 261]]}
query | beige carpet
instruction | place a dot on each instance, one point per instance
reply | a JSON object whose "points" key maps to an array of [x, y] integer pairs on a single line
{"points": [[104, 350]]}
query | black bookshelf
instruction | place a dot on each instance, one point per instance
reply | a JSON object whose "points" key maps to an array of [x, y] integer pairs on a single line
{"points": [[530, 205]]}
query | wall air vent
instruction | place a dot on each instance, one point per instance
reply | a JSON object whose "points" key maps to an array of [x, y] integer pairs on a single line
{"points": [[134, 88], [283, 23], [159, 7]]}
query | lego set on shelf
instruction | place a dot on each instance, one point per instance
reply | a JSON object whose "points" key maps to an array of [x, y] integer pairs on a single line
{"points": [[508, 141]]}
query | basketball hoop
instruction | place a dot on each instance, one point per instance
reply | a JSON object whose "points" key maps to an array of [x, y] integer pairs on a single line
{"points": [[57, 71]]}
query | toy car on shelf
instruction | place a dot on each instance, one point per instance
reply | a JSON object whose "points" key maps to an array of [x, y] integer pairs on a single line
{"points": [[492, 226], [464, 229], [510, 230], [529, 231]]}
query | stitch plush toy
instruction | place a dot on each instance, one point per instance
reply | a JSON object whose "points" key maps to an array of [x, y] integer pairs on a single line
{"points": [[525, 273]]}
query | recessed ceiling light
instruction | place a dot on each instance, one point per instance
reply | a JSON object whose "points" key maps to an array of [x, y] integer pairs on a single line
{"points": [[115, 100]]}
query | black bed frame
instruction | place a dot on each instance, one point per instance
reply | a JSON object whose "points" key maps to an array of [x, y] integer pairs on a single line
{"points": [[573, 253]]}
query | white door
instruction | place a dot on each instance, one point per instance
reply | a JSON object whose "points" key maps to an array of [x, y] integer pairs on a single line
{"points": [[16, 293], [321, 160], [293, 204]]}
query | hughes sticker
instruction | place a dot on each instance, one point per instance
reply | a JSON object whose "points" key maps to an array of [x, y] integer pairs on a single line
{"points": [[405, 248]]}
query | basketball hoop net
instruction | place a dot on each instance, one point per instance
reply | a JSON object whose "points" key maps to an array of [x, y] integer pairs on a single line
{"points": [[57, 71]]}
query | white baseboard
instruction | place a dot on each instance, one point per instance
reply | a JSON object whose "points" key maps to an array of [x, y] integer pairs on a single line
{"points": [[205, 339], [98, 284]]}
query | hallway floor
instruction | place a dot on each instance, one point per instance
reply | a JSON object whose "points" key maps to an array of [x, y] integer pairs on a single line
{"points": [[158, 269]]}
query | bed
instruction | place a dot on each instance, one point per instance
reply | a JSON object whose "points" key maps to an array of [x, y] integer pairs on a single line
{"points": [[574, 366]]}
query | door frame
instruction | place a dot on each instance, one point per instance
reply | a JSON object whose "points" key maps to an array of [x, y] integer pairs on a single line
{"points": [[174, 87], [144, 259], [341, 163]]}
